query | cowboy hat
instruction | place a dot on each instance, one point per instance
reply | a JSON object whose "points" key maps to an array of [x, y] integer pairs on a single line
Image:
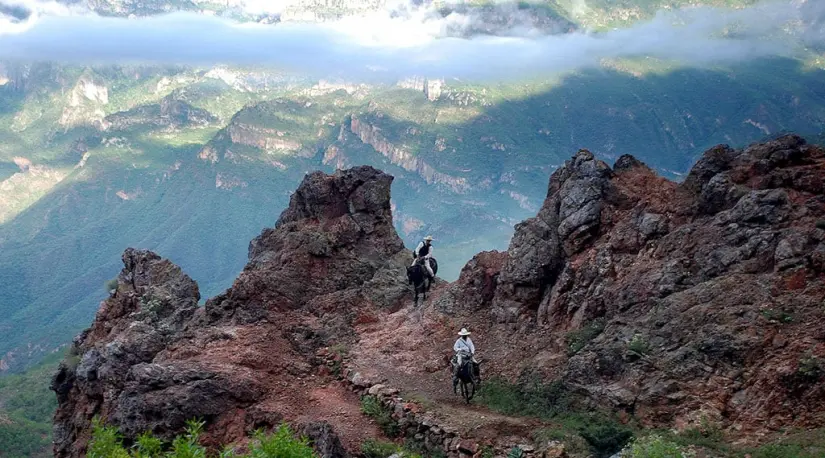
{"points": [[429, 237], [464, 332]]}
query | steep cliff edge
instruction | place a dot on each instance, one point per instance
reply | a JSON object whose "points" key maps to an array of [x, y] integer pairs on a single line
{"points": [[676, 304]]}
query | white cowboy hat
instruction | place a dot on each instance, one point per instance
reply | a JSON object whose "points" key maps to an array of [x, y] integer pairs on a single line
{"points": [[429, 237], [464, 332]]}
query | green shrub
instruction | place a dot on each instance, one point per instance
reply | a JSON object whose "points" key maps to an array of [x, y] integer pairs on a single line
{"points": [[110, 285], [638, 344], [515, 452], [574, 445], [777, 316], [186, 446], [576, 340], [107, 443], [604, 435], [552, 402], [811, 367], [372, 407], [531, 398], [148, 445], [654, 446], [282, 444], [372, 448]]}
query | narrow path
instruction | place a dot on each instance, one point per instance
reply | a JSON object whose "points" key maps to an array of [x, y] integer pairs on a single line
{"points": [[410, 350]]}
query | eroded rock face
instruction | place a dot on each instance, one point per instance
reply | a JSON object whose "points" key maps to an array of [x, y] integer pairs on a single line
{"points": [[335, 242], [569, 218], [153, 305], [153, 359], [697, 300]]}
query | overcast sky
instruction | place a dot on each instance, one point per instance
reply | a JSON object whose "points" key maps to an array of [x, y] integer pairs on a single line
{"points": [[402, 40]]}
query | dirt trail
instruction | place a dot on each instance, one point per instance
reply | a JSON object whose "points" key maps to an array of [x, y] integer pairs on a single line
{"points": [[410, 350]]}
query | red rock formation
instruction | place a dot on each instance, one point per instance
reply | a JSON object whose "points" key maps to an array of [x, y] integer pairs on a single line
{"points": [[702, 300], [720, 280], [153, 359]]}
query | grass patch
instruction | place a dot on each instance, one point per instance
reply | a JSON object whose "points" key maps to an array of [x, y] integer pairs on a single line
{"points": [[806, 444], [372, 407], [599, 433]]}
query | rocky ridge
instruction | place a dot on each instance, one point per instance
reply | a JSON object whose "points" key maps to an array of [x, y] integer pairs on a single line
{"points": [[671, 302], [674, 303], [153, 359]]}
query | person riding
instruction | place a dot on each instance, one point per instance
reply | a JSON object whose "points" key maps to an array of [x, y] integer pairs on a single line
{"points": [[423, 252], [464, 350]]}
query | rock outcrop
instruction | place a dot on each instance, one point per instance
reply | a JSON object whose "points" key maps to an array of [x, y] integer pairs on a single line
{"points": [[673, 302], [169, 113], [677, 304], [154, 359]]}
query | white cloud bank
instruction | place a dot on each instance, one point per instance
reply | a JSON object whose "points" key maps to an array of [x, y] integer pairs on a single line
{"points": [[406, 41]]}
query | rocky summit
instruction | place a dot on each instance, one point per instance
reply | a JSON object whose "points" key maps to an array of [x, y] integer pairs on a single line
{"points": [[674, 304]]}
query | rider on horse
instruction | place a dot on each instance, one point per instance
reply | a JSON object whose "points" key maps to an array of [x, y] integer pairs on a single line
{"points": [[423, 252], [464, 350]]}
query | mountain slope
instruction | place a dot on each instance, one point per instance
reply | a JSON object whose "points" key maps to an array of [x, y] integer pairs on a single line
{"points": [[691, 285], [470, 164]]}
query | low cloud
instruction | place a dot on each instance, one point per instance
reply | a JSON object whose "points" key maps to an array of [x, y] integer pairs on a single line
{"points": [[405, 39]]}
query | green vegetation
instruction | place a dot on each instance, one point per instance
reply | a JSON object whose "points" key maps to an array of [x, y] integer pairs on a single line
{"points": [[379, 449], [26, 409], [811, 367], [654, 446], [373, 448], [107, 443], [110, 285], [372, 407], [339, 351], [552, 402], [639, 345], [777, 316], [576, 340]]}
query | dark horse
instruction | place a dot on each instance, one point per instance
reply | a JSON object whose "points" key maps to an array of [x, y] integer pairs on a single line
{"points": [[417, 275], [469, 378]]}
